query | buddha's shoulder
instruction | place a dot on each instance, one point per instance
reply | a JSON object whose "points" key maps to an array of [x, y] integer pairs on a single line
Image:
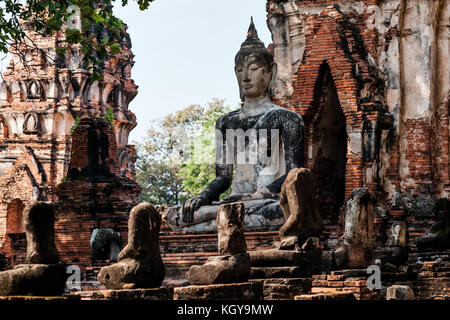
{"points": [[283, 114], [228, 118]]}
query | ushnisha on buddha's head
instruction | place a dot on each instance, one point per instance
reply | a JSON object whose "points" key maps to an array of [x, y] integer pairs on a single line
{"points": [[254, 67]]}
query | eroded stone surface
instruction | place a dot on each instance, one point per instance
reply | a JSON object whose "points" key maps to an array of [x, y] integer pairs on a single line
{"points": [[355, 248], [39, 224], [297, 200], [235, 291], [233, 265], [139, 263], [128, 294], [221, 269], [35, 279], [230, 225], [43, 275], [399, 292], [308, 261]]}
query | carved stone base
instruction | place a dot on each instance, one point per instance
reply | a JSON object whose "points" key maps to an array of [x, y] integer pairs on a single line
{"points": [[235, 291], [34, 279]]}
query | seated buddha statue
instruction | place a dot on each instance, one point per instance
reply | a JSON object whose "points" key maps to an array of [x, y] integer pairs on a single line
{"points": [[256, 147]]}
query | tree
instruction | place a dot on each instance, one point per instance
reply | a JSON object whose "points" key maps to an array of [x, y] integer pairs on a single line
{"points": [[199, 169], [76, 18], [170, 167]]}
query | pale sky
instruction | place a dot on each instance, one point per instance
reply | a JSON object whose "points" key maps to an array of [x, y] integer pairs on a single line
{"points": [[184, 53]]}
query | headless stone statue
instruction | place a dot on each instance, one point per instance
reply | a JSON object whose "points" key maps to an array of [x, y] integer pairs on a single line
{"points": [[139, 263], [299, 208], [298, 254], [39, 221], [233, 265], [43, 274], [256, 147], [355, 247]]}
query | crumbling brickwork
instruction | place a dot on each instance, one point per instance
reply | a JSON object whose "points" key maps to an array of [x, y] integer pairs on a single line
{"points": [[39, 104], [388, 64]]}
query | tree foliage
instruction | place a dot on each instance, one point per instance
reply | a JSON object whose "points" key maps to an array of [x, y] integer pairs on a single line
{"points": [[177, 157], [48, 17]]}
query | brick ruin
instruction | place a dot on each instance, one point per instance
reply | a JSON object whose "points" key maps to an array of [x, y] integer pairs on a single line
{"points": [[39, 107], [368, 78]]}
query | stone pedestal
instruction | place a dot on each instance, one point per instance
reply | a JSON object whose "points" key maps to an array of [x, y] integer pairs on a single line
{"points": [[35, 279], [274, 263]]}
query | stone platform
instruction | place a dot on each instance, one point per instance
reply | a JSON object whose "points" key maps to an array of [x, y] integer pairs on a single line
{"points": [[433, 281], [180, 251], [352, 281], [126, 294], [235, 291], [284, 289], [40, 298]]}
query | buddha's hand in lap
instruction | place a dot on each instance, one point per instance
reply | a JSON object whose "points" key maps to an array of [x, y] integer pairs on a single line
{"points": [[263, 193], [191, 206]]}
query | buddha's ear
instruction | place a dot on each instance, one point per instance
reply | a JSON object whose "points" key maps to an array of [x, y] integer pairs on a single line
{"points": [[272, 80]]}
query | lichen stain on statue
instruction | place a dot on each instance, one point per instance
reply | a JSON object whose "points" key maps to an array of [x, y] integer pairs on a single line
{"points": [[255, 182], [42, 274], [139, 263]]}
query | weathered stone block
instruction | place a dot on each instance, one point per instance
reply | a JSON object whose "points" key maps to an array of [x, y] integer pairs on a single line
{"points": [[230, 229], [34, 279], [221, 269], [128, 294], [399, 292], [236, 291]]}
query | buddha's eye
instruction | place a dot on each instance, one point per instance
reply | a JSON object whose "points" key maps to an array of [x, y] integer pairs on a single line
{"points": [[239, 70]]}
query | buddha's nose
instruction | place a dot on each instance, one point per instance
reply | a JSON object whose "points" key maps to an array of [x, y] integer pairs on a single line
{"points": [[246, 77]]}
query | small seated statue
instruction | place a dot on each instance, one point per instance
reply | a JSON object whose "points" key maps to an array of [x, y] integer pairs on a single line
{"points": [[139, 263], [43, 274], [257, 165]]}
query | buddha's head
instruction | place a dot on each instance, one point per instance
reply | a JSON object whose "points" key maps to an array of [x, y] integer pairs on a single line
{"points": [[254, 67]]}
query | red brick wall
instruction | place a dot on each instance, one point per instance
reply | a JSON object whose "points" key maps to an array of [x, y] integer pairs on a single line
{"points": [[324, 47]]}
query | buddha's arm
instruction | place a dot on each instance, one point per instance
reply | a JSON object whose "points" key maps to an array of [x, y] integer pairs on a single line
{"points": [[224, 176], [292, 133]]}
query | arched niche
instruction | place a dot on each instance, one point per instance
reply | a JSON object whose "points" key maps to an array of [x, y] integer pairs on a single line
{"points": [[328, 145]]}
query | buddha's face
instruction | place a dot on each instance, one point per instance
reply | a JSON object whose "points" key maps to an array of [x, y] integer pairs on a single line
{"points": [[253, 77]]}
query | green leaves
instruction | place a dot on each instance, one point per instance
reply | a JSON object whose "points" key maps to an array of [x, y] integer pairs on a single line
{"points": [[50, 17], [164, 169], [110, 116]]}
